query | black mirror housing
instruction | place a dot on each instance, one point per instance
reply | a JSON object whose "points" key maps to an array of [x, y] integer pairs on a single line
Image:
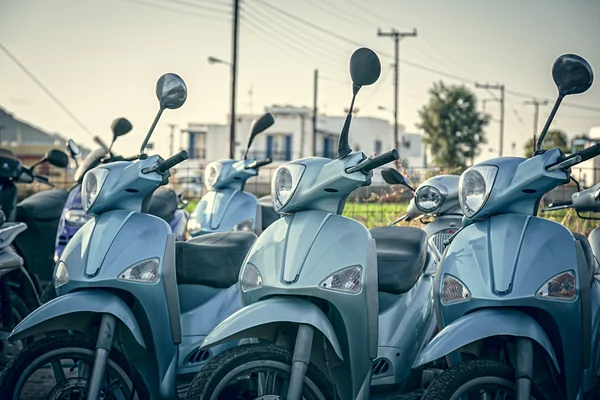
{"points": [[120, 127], [572, 74], [393, 177], [57, 158]]}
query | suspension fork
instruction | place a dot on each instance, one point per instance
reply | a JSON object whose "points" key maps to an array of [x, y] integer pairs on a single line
{"points": [[300, 361], [524, 368], [103, 347]]}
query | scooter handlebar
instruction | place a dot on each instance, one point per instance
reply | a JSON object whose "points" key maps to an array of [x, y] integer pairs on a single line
{"points": [[259, 163], [576, 158], [172, 161], [371, 163]]}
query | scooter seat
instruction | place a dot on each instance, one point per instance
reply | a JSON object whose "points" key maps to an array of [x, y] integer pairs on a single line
{"points": [[401, 257], [163, 204], [42, 206], [213, 259]]}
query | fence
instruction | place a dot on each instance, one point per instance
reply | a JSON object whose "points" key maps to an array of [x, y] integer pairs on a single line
{"points": [[374, 205]]}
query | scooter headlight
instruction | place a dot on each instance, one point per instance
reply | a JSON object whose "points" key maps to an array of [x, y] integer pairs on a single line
{"points": [[91, 186], [212, 174], [193, 225], [345, 280], [454, 291], [77, 217], [251, 278], [428, 199], [244, 226], [143, 272], [284, 183], [559, 287], [475, 186], [61, 274]]}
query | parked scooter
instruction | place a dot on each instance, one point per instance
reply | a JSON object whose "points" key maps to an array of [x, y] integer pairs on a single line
{"points": [[328, 294], [227, 207], [143, 301], [435, 204], [15, 287], [517, 298], [40, 212], [165, 203]]}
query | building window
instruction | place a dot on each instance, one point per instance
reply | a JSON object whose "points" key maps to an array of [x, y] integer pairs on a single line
{"points": [[197, 145], [279, 147], [378, 147]]}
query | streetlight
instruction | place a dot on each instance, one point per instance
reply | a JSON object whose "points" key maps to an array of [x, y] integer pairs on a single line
{"points": [[215, 60]]}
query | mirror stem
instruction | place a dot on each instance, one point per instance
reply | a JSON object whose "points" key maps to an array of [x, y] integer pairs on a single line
{"points": [[538, 148], [343, 146], [143, 148]]}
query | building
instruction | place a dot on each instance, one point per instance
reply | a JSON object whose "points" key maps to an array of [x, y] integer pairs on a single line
{"points": [[291, 137], [588, 172]]}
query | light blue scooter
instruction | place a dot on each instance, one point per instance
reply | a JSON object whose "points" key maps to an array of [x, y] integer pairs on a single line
{"points": [[227, 207], [143, 301], [516, 295]]}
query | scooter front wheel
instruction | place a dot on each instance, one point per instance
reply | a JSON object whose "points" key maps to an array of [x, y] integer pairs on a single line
{"points": [[255, 371], [477, 379], [58, 368]]}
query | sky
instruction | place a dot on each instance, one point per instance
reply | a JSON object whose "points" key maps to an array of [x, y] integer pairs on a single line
{"points": [[102, 58]]}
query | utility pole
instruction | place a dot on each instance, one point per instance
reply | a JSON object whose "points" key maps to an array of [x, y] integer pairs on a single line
{"points": [[501, 89], [536, 103], [172, 126], [314, 116], [236, 20], [396, 35]]}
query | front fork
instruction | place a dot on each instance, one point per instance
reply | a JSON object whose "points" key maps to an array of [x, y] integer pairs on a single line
{"points": [[103, 347], [300, 361], [524, 368]]}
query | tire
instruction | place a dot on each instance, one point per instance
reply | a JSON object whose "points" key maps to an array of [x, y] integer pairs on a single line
{"points": [[20, 364], [453, 381], [254, 356], [18, 311]]}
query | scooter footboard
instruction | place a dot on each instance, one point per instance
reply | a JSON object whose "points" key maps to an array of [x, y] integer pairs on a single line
{"points": [[483, 324], [74, 311]]}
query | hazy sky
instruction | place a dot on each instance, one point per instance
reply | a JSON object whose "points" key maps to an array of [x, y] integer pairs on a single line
{"points": [[102, 58]]}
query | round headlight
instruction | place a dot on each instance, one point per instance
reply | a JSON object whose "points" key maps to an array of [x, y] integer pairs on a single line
{"points": [[212, 173], [475, 186], [91, 186], [284, 183], [428, 199]]}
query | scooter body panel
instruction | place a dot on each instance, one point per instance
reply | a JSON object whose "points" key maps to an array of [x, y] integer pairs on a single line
{"points": [[220, 210], [503, 261]]}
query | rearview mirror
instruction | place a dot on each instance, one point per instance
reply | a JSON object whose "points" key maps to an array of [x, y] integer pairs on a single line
{"points": [[171, 91], [57, 158], [259, 125], [572, 74], [393, 177], [73, 148], [365, 67], [120, 127]]}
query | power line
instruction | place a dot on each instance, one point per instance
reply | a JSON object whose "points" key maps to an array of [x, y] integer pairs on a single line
{"points": [[44, 88], [378, 17], [198, 6], [173, 10], [336, 14]]}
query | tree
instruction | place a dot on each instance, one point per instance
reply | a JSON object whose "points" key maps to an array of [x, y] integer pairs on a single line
{"points": [[453, 126], [554, 138]]}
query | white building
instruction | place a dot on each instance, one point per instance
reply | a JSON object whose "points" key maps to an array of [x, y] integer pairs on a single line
{"points": [[588, 172], [291, 137]]}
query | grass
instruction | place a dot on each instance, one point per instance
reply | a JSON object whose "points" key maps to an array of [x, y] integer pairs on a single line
{"points": [[379, 214]]}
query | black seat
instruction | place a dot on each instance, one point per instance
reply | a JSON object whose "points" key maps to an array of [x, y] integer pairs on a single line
{"points": [[213, 259], [268, 212], [587, 251], [163, 204], [45, 206], [401, 257]]}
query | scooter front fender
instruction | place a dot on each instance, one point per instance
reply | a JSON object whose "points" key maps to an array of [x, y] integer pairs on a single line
{"points": [[74, 311], [483, 324], [259, 320]]}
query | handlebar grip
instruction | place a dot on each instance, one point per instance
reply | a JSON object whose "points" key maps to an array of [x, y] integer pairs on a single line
{"points": [[589, 152], [172, 161], [561, 204], [380, 160], [259, 163]]}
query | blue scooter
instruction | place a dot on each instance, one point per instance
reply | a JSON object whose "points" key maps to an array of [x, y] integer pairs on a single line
{"points": [[165, 203], [144, 301], [226, 207], [517, 296]]}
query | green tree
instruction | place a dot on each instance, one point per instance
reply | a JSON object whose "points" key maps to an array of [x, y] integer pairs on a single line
{"points": [[453, 127], [554, 138]]}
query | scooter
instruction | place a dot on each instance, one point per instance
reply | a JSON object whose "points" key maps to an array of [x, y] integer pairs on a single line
{"points": [[516, 295], [15, 303], [165, 203], [435, 204], [143, 301], [226, 207], [40, 212], [343, 308]]}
